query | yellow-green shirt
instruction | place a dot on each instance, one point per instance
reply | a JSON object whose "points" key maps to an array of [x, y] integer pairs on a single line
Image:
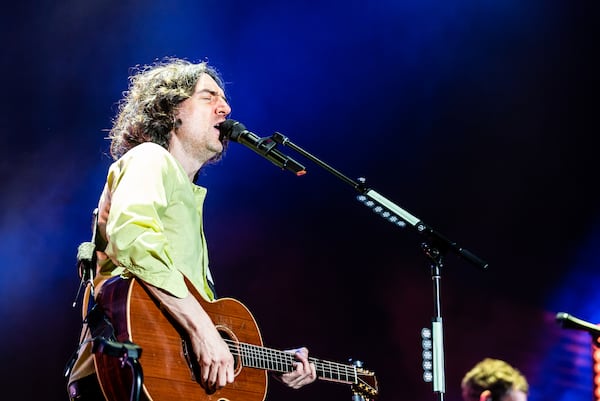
{"points": [[151, 215]]}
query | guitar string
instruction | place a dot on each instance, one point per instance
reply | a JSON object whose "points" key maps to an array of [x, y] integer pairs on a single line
{"points": [[283, 361], [282, 356]]}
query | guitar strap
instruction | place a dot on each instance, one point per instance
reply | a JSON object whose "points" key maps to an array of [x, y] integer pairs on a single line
{"points": [[86, 262], [98, 324], [100, 327], [96, 319]]}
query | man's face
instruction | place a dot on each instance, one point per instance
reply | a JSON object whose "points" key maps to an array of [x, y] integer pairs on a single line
{"points": [[512, 395], [200, 115], [515, 395]]}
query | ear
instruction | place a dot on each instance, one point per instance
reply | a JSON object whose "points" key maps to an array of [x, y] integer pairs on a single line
{"points": [[485, 396]]}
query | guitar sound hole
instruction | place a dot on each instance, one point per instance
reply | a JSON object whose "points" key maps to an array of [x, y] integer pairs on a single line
{"points": [[234, 346]]}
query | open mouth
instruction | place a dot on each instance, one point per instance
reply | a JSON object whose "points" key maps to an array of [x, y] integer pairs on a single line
{"points": [[222, 134]]}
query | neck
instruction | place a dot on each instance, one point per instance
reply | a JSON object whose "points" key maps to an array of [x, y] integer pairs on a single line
{"points": [[190, 164]]}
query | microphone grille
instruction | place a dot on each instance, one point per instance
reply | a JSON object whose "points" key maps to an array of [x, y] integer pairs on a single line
{"points": [[231, 129], [85, 251]]}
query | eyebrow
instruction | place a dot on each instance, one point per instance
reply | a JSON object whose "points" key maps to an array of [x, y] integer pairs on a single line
{"points": [[214, 93]]}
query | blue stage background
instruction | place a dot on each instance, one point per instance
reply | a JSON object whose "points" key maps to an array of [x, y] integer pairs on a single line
{"points": [[479, 117]]}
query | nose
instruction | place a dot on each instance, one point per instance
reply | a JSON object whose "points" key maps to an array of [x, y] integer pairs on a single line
{"points": [[223, 107]]}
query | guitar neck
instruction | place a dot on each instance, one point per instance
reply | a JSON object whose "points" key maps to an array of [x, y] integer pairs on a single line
{"points": [[254, 356]]}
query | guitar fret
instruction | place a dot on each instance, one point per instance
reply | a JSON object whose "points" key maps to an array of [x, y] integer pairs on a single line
{"points": [[277, 362], [281, 361], [335, 371], [269, 361], [255, 358], [265, 358]]}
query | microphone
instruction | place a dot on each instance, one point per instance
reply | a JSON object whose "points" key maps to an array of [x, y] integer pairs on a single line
{"points": [[571, 322], [85, 260], [237, 132], [85, 265]]}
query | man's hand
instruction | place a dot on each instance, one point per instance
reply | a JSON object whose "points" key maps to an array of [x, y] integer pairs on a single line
{"points": [[214, 357], [213, 354], [305, 372]]}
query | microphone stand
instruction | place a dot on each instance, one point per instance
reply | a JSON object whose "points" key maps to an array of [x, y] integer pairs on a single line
{"points": [[435, 247], [567, 321]]}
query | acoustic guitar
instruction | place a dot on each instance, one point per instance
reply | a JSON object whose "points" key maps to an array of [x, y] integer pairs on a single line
{"points": [[170, 370]]}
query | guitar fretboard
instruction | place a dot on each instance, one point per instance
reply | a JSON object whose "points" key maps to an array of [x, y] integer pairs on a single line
{"points": [[255, 356]]}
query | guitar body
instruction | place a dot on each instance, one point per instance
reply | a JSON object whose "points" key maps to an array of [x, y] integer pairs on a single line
{"points": [[167, 373]]}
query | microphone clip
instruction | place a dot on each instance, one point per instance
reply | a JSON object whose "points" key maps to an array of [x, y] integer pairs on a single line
{"points": [[265, 145]]}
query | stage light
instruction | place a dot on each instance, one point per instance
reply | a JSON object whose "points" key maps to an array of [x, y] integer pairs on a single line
{"points": [[596, 363], [427, 344]]}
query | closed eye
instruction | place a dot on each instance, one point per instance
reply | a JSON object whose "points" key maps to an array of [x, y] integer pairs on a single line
{"points": [[211, 96]]}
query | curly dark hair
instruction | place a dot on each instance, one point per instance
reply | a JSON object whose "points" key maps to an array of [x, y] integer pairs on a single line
{"points": [[494, 375], [146, 112]]}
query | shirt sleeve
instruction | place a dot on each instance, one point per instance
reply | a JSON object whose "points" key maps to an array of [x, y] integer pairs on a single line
{"points": [[140, 186]]}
